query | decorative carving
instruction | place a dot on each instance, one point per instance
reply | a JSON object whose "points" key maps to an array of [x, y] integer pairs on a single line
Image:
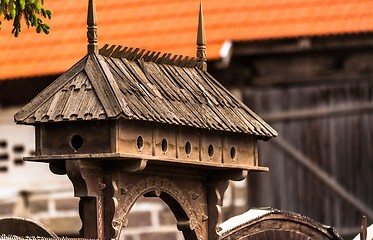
{"points": [[216, 190], [85, 176], [108, 191], [92, 27], [201, 41], [186, 199]]}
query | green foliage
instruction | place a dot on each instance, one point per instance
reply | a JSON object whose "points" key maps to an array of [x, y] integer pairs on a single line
{"points": [[29, 11]]}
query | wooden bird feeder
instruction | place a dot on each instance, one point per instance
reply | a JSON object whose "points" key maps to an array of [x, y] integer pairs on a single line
{"points": [[124, 122]]}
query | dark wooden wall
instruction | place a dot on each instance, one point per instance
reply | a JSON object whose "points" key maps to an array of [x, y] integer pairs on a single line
{"points": [[318, 94], [339, 142]]}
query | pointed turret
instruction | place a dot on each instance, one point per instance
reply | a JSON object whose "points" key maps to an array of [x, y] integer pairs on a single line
{"points": [[92, 27], [201, 41]]}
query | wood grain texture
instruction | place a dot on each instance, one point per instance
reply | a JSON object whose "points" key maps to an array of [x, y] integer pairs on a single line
{"points": [[139, 85]]}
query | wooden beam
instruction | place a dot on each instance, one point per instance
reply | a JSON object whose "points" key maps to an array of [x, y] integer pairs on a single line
{"points": [[303, 44], [321, 112], [323, 176]]}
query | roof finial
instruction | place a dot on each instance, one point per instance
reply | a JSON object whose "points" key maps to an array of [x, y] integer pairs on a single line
{"points": [[92, 27], [201, 40]]}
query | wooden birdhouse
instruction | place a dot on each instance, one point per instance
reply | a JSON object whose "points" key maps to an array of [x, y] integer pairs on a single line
{"points": [[119, 105], [125, 103]]}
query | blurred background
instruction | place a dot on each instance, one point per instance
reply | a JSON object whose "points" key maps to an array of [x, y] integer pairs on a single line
{"points": [[304, 66]]}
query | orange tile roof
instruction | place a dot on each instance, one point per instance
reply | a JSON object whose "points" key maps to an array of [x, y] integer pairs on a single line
{"points": [[170, 26]]}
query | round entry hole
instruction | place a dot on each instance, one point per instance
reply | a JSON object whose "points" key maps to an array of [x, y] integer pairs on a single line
{"points": [[210, 151], [76, 142], [188, 148], [140, 143], [164, 145], [233, 153]]}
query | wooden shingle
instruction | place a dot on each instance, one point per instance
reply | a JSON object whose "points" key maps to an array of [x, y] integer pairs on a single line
{"points": [[138, 87]]}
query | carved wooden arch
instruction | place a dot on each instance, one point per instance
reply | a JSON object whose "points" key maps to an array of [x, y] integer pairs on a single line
{"points": [[187, 203], [108, 191]]}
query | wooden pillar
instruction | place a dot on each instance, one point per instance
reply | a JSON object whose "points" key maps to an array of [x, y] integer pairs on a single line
{"points": [[86, 176], [216, 190]]}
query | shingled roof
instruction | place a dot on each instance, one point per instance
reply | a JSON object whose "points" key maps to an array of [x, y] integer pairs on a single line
{"points": [[134, 85]]}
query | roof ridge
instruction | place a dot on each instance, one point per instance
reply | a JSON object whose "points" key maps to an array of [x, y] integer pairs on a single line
{"points": [[132, 54], [103, 86]]}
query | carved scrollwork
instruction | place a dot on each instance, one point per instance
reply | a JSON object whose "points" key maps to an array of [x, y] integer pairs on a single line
{"points": [[189, 210]]}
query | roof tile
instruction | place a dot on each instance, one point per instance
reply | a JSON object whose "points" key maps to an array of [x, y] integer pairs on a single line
{"points": [[170, 26]]}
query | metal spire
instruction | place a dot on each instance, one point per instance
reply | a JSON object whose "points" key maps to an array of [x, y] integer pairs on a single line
{"points": [[201, 40], [92, 27]]}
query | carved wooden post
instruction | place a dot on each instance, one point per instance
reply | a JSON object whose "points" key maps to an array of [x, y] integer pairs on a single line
{"points": [[86, 177]]}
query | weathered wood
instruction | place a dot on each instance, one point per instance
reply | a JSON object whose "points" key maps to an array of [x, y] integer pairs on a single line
{"points": [[201, 41], [104, 50], [22, 227], [160, 59], [47, 93], [90, 137], [363, 228], [274, 224], [335, 111], [114, 86], [102, 87], [133, 54], [92, 28], [116, 52], [324, 177]]}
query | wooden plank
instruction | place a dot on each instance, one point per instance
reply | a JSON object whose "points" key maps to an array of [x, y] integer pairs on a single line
{"points": [[133, 54], [117, 51], [53, 106], [102, 88], [104, 50], [138, 108], [178, 60], [78, 81], [48, 92], [324, 112], [77, 103], [162, 82], [87, 101], [114, 86], [160, 60], [324, 177], [139, 55], [97, 110], [126, 53], [41, 112], [149, 57], [221, 96], [187, 83], [73, 101], [174, 83], [143, 78], [155, 57], [127, 81], [202, 85], [57, 114], [138, 77]]}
